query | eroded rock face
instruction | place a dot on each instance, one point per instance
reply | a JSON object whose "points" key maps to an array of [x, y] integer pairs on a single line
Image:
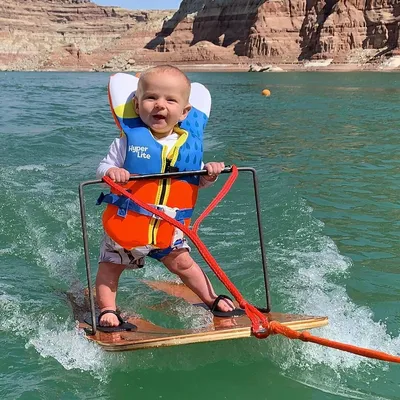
{"points": [[71, 34], [222, 26], [77, 34], [341, 26], [285, 30]]}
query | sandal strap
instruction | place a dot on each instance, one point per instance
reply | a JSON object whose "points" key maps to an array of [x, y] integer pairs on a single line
{"points": [[121, 321], [216, 301]]}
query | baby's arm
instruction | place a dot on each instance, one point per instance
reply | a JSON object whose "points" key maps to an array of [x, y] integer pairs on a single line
{"points": [[111, 165], [213, 169]]}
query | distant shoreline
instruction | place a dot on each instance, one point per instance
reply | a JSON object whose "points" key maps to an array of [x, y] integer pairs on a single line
{"points": [[300, 67]]}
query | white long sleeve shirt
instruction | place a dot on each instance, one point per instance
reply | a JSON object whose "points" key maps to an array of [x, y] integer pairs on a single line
{"points": [[117, 151]]}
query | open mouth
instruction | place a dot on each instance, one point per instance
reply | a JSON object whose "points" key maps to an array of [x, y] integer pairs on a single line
{"points": [[159, 117]]}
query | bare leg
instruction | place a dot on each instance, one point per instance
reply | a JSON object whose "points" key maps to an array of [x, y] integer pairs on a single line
{"points": [[106, 291], [182, 264]]}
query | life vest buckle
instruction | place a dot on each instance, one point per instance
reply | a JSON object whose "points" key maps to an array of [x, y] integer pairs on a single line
{"points": [[169, 211]]}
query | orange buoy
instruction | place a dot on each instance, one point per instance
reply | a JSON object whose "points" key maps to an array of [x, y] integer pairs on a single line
{"points": [[266, 92]]}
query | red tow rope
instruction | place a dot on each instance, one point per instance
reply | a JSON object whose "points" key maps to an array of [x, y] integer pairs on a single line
{"points": [[260, 325]]}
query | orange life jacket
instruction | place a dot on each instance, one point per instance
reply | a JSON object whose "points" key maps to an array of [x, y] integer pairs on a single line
{"points": [[124, 221]]}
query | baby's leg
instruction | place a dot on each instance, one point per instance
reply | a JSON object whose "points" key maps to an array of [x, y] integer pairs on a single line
{"points": [[106, 290], [181, 263]]}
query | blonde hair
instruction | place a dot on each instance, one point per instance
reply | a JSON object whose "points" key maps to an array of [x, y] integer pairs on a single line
{"points": [[170, 69]]}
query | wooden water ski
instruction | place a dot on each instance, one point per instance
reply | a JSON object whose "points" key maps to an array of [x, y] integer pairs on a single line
{"points": [[149, 335]]}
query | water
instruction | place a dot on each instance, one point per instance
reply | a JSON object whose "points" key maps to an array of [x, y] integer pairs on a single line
{"points": [[325, 146]]}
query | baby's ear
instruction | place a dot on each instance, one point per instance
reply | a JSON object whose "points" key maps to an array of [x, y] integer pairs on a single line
{"points": [[185, 112], [136, 104]]}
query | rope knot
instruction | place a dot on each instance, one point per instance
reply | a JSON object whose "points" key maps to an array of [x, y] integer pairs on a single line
{"points": [[305, 336], [262, 333], [243, 304]]}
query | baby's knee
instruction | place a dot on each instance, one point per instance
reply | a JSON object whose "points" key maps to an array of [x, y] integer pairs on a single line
{"points": [[178, 264]]}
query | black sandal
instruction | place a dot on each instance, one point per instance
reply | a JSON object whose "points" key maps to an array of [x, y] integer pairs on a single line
{"points": [[224, 314], [236, 312], [122, 327]]}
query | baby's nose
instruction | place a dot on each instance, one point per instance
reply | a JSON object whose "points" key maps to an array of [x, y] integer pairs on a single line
{"points": [[160, 103]]}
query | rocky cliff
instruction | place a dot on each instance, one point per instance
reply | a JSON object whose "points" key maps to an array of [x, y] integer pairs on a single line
{"points": [[284, 30], [73, 34], [77, 34]]}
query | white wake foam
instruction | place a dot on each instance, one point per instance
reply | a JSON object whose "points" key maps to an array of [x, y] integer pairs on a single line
{"points": [[54, 337], [312, 278]]}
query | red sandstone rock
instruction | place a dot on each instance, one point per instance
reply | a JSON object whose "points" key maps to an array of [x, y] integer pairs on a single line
{"points": [[71, 34], [77, 34]]}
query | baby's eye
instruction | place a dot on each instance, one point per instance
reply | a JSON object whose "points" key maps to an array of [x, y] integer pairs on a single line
{"points": [[171, 100]]}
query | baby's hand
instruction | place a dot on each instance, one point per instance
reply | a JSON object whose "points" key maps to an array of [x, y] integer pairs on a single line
{"points": [[213, 169], [119, 175]]}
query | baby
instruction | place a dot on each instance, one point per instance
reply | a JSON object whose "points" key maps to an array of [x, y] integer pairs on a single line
{"points": [[161, 101]]}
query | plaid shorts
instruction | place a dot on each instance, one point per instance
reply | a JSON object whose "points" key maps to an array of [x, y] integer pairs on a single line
{"points": [[112, 252]]}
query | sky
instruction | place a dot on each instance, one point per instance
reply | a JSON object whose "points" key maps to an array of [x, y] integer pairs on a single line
{"points": [[141, 4]]}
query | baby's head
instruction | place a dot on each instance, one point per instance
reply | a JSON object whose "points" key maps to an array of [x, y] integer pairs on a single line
{"points": [[162, 98]]}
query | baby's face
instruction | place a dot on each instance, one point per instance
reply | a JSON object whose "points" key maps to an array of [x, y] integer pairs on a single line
{"points": [[162, 101]]}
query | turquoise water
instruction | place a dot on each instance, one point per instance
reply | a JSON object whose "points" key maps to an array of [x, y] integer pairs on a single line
{"points": [[326, 149]]}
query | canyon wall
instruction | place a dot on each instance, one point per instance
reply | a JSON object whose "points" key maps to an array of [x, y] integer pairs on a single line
{"points": [[285, 31], [72, 34], [79, 35]]}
